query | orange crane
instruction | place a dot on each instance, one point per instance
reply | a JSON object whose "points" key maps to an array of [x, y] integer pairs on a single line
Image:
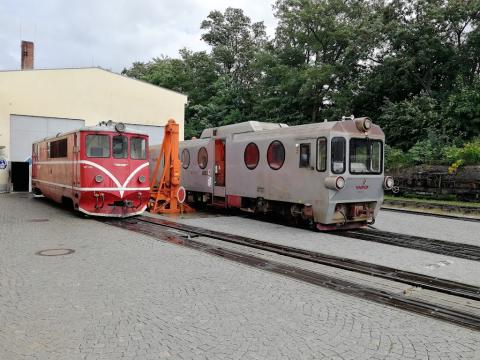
{"points": [[166, 193]]}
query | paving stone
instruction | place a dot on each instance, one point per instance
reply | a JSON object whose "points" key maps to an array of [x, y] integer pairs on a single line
{"points": [[122, 295]]}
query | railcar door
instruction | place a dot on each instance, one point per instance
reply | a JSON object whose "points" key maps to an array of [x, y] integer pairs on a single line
{"points": [[219, 185]]}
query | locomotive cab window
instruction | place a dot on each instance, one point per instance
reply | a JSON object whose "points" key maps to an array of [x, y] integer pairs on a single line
{"points": [[338, 155], [58, 148], [366, 156], [138, 148], [276, 155], [322, 154], [304, 156], [120, 147], [98, 146]]}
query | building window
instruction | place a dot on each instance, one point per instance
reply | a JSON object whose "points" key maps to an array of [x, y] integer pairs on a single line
{"points": [[185, 158], [276, 155], [338, 155], [98, 146], [120, 147], [322, 154], [202, 158], [251, 156], [138, 148], [58, 148], [304, 156]]}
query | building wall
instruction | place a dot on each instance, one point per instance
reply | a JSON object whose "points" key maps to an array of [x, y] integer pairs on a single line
{"points": [[91, 94]]}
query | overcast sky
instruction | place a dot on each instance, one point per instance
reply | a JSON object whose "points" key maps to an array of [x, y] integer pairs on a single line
{"points": [[109, 33]]}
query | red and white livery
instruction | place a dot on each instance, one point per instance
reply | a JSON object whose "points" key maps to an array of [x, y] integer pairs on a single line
{"points": [[100, 170]]}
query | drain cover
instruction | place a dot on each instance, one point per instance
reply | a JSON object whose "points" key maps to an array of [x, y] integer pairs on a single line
{"points": [[55, 252], [38, 220]]}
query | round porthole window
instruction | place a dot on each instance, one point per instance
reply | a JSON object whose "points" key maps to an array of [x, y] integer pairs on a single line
{"points": [[202, 158], [185, 158], [276, 155], [251, 156]]}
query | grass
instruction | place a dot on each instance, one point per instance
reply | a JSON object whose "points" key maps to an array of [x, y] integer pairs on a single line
{"points": [[434, 201]]}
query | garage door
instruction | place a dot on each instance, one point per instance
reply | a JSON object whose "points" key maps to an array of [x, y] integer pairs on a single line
{"points": [[155, 133], [24, 130]]}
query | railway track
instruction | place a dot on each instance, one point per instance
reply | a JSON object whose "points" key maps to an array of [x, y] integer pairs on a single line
{"points": [[459, 250], [172, 232], [423, 213]]}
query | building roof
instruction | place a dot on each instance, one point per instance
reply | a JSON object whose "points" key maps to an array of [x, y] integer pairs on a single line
{"points": [[95, 69]]}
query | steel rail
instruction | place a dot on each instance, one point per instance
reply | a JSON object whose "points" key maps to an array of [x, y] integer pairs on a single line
{"points": [[151, 228], [414, 279], [443, 247], [421, 213]]}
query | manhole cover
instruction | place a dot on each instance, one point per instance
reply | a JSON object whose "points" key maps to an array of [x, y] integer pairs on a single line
{"points": [[55, 252], [38, 220]]}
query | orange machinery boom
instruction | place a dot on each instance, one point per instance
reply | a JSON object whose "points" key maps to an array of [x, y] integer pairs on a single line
{"points": [[166, 194]]}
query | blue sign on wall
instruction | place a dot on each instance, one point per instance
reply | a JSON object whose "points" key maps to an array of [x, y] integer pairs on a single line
{"points": [[3, 164]]}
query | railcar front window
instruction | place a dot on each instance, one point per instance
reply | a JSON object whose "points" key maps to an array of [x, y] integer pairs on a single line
{"points": [[138, 148], [322, 154], [338, 155], [98, 146], [120, 147], [365, 156]]}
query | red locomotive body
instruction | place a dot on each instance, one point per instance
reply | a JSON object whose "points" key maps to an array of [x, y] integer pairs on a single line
{"points": [[100, 170]]}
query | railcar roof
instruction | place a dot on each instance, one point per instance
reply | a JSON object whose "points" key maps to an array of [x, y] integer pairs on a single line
{"points": [[99, 127], [244, 127], [259, 129]]}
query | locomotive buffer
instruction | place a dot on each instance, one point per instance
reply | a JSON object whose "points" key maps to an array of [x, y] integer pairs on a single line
{"points": [[166, 194]]}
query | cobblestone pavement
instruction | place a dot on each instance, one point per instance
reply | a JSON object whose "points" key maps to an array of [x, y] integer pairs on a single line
{"points": [[122, 295], [446, 267]]}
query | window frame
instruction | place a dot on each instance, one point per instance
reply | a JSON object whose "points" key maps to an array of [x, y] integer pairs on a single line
{"points": [[245, 156], [326, 154], [344, 155], [131, 147], [109, 146], [309, 165], [284, 154], [369, 141], [56, 147], [127, 150], [181, 158], [198, 157]]}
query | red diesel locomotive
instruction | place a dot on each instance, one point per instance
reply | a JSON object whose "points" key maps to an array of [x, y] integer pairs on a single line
{"points": [[100, 170]]}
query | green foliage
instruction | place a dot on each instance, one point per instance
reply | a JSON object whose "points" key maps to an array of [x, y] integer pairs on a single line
{"points": [[411, 66]]}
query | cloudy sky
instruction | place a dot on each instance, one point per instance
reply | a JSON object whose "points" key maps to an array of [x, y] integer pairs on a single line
{"points": [[109, 33]]}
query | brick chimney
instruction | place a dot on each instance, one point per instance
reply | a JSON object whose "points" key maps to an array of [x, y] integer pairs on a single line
{"points": [[27, 55]]}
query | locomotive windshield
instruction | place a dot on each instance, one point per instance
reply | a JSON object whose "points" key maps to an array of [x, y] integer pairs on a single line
{"points": [[138, 148], [120, 147], [365, 156], [338, 155], [98, 146]]}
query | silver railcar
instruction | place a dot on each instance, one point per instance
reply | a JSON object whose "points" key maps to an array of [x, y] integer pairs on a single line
{"points": [[330, 174]]}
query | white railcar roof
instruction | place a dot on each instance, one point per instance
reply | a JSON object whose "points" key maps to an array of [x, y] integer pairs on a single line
{"points": [[244, 127], [255, 129]]}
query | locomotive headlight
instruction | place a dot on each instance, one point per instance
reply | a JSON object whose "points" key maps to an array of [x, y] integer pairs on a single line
{"points": [[363, 124], [142, 178], [367, 124], [340, 183], [388, 183], [335, 183], [120, 127], [98, 178]]}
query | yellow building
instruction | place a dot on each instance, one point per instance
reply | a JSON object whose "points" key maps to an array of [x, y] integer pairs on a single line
{"points": [[38, 103]]}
